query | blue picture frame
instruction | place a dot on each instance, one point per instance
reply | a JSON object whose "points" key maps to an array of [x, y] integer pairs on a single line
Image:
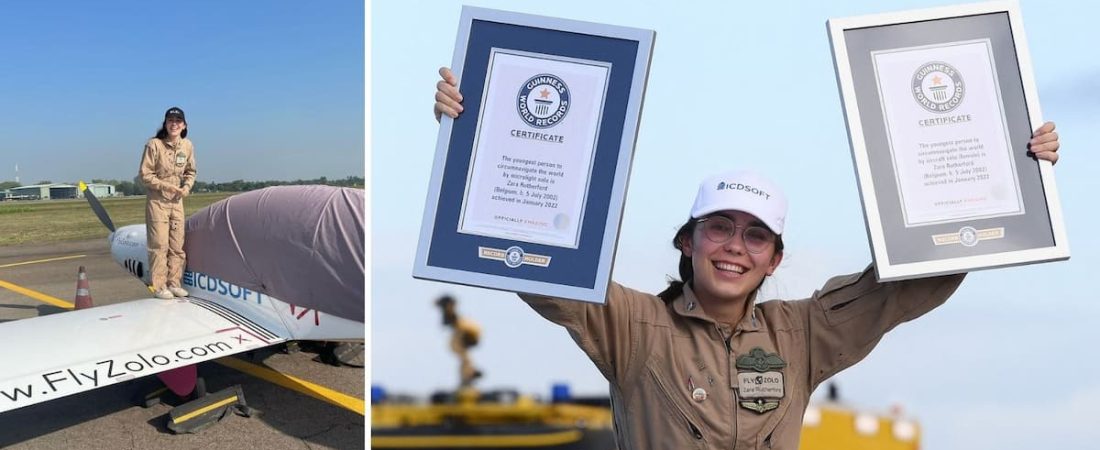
{"points": [[580, 271]]}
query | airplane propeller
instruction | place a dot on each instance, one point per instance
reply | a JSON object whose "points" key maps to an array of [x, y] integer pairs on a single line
{"points": [[97, 207]]}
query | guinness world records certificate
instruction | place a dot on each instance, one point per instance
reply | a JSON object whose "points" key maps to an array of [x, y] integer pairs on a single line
{"points": [[528, 185], [940, 105], [531, 167], [952, 159]]}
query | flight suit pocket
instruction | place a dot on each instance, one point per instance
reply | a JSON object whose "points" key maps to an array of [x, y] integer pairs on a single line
{"points": [[848, 297], [167, 166], [687, 431], [770, 435], [755, 421], [757, 430]]}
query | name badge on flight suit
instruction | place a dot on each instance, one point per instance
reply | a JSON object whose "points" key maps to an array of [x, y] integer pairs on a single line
{"points": [[181, 158], [761, 386]]}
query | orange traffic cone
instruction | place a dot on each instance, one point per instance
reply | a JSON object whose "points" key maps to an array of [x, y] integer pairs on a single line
{"points": [[83, 296]]}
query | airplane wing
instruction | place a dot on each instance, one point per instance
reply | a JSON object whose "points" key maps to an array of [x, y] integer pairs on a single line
{"points": [[62, 354]]}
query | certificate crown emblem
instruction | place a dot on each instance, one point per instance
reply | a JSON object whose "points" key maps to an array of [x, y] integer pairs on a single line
{"points": [[543, 100]]}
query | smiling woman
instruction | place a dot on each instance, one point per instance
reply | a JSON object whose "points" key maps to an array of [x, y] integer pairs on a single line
{"points": [[168, 172], [704, 364]]}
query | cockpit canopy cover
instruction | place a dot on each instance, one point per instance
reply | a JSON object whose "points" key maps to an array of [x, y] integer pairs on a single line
{"points": [[300, 244]]}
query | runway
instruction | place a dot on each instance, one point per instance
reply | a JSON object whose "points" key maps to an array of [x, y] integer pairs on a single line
{"points": [[39, 280]]}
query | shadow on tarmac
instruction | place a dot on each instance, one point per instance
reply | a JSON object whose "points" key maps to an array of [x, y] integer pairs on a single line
{"points": [[42, 309], [14, 306], [49, 309]]}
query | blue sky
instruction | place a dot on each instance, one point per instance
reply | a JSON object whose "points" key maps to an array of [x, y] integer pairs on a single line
{"points": [[1007, 363], [272, 90]]}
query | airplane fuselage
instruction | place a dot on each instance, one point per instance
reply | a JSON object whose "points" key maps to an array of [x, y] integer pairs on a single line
{"points": [[128, 248]]}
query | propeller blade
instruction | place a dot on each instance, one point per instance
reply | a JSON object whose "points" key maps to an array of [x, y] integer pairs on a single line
{"points": [[97, 207]]}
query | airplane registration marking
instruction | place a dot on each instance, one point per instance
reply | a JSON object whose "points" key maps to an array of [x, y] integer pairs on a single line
{"points": [[60, 258], [316, 391], [36, 295], [316, 314]]}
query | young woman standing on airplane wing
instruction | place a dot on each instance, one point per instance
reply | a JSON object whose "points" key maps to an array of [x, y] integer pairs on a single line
{"points": [[168, 172]]}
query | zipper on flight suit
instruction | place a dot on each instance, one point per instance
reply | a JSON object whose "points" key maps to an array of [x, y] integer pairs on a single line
{"points": [[729, 366], [695, 431]]}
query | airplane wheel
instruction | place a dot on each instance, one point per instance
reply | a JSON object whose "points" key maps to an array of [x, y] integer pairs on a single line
{"points": [[349, 354], [148, 395], [200, 388]]}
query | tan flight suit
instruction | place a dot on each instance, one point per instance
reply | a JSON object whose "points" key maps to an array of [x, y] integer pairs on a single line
{"points": [[680, 380], [164, 164]]}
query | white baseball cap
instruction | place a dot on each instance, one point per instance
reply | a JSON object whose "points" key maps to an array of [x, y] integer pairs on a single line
{"points": [[745, 191]]}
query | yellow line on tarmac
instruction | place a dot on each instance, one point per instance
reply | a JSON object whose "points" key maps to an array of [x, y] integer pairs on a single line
{"points": [[61, 258], [317, 391], [36, 295]]}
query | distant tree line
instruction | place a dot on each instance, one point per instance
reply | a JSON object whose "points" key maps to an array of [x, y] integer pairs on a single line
{"points": [[134, 187], [11, 184]]}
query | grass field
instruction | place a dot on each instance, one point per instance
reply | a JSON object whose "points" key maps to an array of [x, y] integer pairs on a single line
{"points": [[46, 221]]}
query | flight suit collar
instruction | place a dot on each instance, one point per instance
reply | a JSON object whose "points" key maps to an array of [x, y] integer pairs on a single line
{"points": [[687, 305]]}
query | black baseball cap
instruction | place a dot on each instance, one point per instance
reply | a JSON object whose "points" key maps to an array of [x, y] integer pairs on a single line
{"points": [[174, 112]]}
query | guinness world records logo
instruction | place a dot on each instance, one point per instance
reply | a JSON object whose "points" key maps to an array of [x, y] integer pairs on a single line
{"points": [[513, 257], [968, 236], [543, 100], [938, 87]]}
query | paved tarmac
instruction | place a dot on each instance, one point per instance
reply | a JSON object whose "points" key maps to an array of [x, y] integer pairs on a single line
{"points": [[108, 418]]}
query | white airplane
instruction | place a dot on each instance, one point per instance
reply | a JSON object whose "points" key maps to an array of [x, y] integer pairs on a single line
{"points": [[232, 307]]}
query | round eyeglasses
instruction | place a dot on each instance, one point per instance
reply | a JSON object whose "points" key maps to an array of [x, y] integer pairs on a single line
{"points": [[720, 229]]}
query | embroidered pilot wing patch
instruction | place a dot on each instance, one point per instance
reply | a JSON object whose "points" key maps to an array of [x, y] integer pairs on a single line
{"points": [[760, 405], [760, 361]]}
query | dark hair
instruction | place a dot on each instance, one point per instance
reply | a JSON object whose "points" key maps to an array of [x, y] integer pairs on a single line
{"points": [[163, 133], [676, 287], [446, 303]]}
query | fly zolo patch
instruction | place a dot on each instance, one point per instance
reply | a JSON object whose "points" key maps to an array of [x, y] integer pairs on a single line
{"points": [[181, 158], [760, 384]]}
